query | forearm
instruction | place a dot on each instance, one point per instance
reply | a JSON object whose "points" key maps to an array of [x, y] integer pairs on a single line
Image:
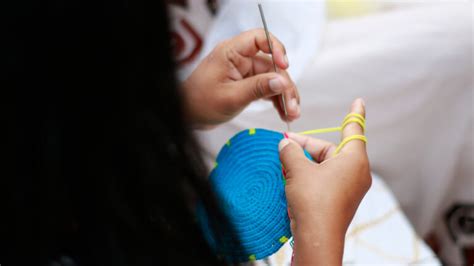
{"points": [[318, 243]]}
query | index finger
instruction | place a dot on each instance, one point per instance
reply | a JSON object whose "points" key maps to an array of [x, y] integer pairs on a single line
{"points": [[353, 128], [249, 43]]}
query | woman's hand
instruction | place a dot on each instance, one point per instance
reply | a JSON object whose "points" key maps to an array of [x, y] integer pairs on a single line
{"points": [[236, 73], [323, 195]]}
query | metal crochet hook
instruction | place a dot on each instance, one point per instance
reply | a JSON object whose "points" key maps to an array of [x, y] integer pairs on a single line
{"points": [[273, 60]]}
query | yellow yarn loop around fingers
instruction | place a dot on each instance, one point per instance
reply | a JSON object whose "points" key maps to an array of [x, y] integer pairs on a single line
{"points": [[346, 140], [353, 120], [355, 116], [350, 118]]}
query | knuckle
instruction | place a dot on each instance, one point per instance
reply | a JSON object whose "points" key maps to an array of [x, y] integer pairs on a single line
{"points": [[362, 165], [360, 161], [252, 33], [357, 159], [256, 31], [368, 182], [259, 90], [232, 56], [353, 127], [365, 181]]}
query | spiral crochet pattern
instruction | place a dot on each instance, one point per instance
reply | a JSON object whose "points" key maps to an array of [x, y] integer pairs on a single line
{"points": [[249, 184]]}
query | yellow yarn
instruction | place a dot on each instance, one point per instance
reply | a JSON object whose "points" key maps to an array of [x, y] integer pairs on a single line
{"points": [[346, 140], [350, 118], [283, 239]]}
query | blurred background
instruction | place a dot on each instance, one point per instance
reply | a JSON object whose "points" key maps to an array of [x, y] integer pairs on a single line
{"points": [[412, 62]]}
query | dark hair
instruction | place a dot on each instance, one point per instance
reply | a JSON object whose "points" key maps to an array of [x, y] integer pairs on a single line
{"points": [[105, 167]]}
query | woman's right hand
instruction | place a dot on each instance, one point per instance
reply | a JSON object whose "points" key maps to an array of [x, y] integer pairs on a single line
{"points": [[323, 195]]}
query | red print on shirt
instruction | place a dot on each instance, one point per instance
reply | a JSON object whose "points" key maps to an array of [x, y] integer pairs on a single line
{"points": [[180, 45]]}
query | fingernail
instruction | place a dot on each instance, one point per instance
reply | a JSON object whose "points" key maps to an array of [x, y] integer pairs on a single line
{"points": [[283, 144], [293, 104], [290, 134], [276, 85], [357, 103], [286, 60]]}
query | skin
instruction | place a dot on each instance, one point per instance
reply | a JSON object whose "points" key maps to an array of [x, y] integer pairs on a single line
{"points": [[237, 72], [323, 195]]}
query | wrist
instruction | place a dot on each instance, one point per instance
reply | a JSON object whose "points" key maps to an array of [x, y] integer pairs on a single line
{"points": [[318, 241]]}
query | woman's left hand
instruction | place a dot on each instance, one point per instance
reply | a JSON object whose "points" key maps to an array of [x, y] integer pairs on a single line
{"points": [[235, 74]]}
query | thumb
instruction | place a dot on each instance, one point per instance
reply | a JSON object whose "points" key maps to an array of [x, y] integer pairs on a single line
{"points": [[259, 86], [292, 156]]}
